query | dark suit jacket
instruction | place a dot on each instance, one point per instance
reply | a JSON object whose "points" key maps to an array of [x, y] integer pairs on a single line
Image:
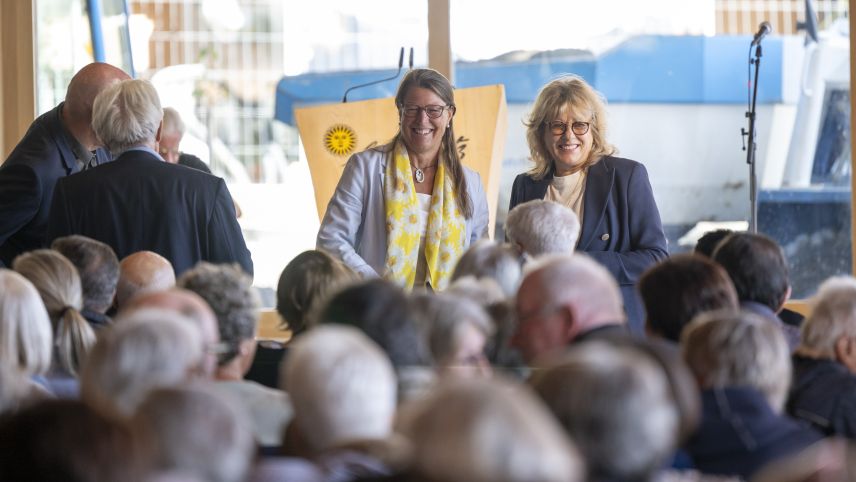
{"points": [[621, 226], [27, 180], [140, 202]]}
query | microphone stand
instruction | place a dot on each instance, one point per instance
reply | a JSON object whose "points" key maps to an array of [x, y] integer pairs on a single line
{"points": [[751, 145], [400, 65]]}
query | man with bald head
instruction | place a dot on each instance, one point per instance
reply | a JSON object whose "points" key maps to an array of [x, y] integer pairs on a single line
{"points": [[563, 300], [59, 143], [143, 272], [191, 306]]}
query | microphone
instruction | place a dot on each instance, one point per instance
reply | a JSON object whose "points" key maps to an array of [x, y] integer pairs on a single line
{"points": [[763, 30], [410, 66], [400, 65]]}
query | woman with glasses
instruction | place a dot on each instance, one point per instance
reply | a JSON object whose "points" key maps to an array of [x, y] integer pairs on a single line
{"points": [[575, 166], [407, 210]]}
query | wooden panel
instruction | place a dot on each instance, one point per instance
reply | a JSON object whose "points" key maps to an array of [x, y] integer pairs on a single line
{"points": [[481, 123], [439, 38], [802, 307], [269, 327], [17, 85]]}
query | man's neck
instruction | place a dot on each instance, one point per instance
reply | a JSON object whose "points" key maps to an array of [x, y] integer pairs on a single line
{"points": [[79, 130]]}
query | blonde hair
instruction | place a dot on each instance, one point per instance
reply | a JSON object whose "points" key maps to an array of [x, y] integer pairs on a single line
{"points": [[566, 91], [58, 283], [25, 329]]}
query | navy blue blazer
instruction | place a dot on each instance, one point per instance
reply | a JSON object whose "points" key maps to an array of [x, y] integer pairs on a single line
{"points": [[27, 180], [621, 226], [140, 202]]}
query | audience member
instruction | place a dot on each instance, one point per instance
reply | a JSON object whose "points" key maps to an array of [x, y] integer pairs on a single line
{"points": [[307, 279], [59, 286], [25, 339], [488, 431], [197, 433], [741, 362], [708, 242], [172, 131], [147, 350], [231, 295], [566, 299], [344, 393], [381, 310], [68, 440], [541, 227], [677, 289], [616, 404], [823, 392], [757, 267], [488, 259], [487, 293], [143, 272], [141, 202], [457, 330], [193, 308], [99, 272], [59, 143]]}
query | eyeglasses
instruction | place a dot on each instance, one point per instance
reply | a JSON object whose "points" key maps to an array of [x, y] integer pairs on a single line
{"points": [[559, 128], [432, 111]]}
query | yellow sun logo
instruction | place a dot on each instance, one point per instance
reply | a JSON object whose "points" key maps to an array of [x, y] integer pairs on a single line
{"points": [[340, 140]]}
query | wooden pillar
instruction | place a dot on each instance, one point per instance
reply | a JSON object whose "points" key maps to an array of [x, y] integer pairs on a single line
{"points": [[439, 38], [18, 61], [852, 9]]}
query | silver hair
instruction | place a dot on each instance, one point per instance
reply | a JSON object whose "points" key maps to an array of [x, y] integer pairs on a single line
{"points": [[342, 386], [833, 316], [482, 430], [543, 227], [443, 316], [579, 281], [150, 348], [616, 403], [26, 337], [488, 259], [197, 432], [127, 114], [172, 123], [725, 348], [230, 293]]}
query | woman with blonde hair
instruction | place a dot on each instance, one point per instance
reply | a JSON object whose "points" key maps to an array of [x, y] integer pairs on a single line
{"points": [[25, 341], [575, 166], [58, 283]]}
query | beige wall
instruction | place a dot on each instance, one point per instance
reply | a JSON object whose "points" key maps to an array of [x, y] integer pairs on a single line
{"points": [[17, 84]]}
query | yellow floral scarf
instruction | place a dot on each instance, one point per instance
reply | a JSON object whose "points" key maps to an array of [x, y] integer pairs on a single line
{"points": [[446, 231]]}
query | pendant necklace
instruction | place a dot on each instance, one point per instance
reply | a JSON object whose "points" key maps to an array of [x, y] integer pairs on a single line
{"points": [[419, 174]]}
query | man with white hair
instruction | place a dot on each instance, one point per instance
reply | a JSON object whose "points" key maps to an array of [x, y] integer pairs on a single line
{"points": [[541, 227], [139, 202], [741, 363], [343, 389], [150, 349], [609, 398], [566, 299], [823, 392], [171, 135]]}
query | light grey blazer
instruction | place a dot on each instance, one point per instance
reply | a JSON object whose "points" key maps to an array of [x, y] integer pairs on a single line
{"points": [[354, 226]]}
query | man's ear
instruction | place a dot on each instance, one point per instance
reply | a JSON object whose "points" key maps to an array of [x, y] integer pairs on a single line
{"points": [[785, 299], [569, 328]]}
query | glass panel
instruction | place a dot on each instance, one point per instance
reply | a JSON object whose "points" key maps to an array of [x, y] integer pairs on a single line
{"points": [[675, 75], [218, 62], [63, 46]]}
